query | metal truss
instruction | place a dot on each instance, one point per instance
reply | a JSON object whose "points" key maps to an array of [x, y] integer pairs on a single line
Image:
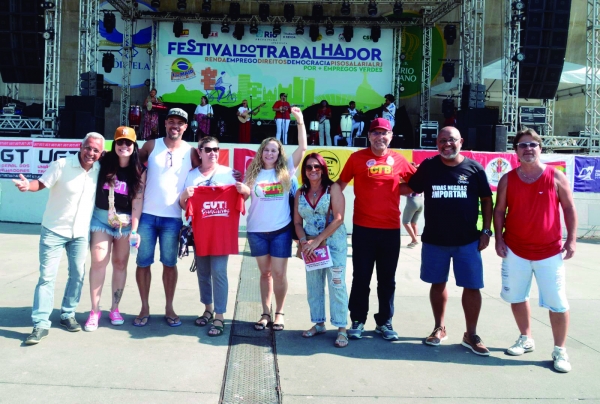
{"points": [[472, 26], [88, 38], [11, 90], [575, 144], [426, 70], [31, 124], [127, 57], [397, 71], [592, 76], [153, 48], [510, 68], [52, 17], [442, 9], [549, 105]]}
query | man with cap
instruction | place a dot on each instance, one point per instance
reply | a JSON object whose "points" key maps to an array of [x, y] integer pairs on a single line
{"points": [[377, 172], [169, 161], [282, 117], [66, 224]]}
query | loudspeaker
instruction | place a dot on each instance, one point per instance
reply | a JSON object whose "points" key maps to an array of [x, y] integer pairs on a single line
{"points": [[93, 105], [360, 141], [473, 96], [501, 138], [66, 124], [485, 138]]}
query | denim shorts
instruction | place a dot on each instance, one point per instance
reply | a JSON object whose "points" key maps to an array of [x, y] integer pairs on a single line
{"points": [[163, 229], [466, 262], [276, 243], [100, 223]]}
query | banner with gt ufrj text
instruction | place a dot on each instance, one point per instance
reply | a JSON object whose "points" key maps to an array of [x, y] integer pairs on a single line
{"points": [[32, 157], [261, 66], [587, 174]]}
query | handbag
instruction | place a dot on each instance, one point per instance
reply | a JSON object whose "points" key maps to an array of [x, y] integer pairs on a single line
{"points": [[116, 220], [327, 223]]}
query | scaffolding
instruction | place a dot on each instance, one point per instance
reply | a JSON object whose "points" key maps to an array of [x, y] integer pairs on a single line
{"points": [[396, 83], [426, 67], [472, 27], [510, 67], [52, 18], [88, 38], [592, 76]]}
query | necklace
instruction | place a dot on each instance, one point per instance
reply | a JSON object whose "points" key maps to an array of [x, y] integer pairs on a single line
{"points": [[529, 178], [316, 192]]}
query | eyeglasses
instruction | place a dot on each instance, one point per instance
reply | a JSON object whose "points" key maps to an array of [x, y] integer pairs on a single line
{"points": [[450, 140], [91, 149], [525, 145], [211, 149], [170, 159], [316, 167], [125, 142]]}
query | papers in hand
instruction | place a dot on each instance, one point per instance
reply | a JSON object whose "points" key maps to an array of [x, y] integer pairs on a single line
{"points": [[322, 259]]}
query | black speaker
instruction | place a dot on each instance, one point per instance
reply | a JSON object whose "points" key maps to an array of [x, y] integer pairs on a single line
{"points": [[66, 124], [485, 138], [93, 105], [360, 141], [501, 138]]}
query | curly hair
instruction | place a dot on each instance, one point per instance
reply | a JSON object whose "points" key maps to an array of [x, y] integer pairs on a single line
{"points": [[281, 170]]}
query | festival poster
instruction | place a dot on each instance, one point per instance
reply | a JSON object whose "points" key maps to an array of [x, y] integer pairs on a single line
{"points": [[587, 174], [45, 152], [15, 158]]}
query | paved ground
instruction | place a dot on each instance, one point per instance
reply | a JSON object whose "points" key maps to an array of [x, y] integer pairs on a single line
{"points": [[159, 364]]}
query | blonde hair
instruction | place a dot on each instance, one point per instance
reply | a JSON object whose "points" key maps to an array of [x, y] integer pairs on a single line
{"points": [[281, 170]]}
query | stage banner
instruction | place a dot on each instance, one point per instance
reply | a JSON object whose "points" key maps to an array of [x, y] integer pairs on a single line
{"points": [[16, 158], [587, 174], [45, 152], [261, 66], [563, 162]]}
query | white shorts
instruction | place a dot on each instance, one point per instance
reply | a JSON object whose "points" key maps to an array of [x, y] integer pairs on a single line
{"points": [[550, 276]]}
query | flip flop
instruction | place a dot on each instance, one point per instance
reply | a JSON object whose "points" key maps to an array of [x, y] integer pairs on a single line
{"points": [[219, 328], [175, 321], [141, 321]]}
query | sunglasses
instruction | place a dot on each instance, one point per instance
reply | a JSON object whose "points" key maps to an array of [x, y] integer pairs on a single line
{"points": [[525, 145], [311, 167], [125, 142], [210, 149]]}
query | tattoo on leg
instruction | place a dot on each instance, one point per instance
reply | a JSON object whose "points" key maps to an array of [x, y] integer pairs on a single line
{"points": [[117, 295]]}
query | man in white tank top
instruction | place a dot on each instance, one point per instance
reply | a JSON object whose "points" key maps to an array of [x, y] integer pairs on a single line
{"points": [[169, 161]]}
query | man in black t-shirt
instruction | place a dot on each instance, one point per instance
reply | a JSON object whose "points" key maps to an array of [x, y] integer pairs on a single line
{"points": [[453, 185]]}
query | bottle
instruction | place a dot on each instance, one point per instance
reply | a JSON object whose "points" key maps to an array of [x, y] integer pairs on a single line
{"points": [[133, 240]]}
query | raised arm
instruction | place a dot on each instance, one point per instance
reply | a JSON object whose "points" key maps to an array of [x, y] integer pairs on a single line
{"points": [[298, 154]]}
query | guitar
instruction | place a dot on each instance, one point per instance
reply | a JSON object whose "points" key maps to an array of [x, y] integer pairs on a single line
{"points": [[246, 115]]}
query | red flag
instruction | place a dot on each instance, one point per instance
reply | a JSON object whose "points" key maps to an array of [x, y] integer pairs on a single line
{"points": [[242, 159]]}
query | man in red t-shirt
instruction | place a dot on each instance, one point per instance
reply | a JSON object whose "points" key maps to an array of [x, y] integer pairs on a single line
{"points": [[282, 117], [377, 172], [531, 242]]}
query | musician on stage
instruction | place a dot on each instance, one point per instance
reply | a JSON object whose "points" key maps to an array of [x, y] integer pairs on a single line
{"points": [[389, 109], [323, 116], [282, 117], [357, 123], [244, 112], [203, 113], [150, 130]]}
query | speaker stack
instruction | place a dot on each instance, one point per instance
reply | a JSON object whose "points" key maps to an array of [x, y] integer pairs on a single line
{"points": [[81, 115], [543, 43], [21, 42]]}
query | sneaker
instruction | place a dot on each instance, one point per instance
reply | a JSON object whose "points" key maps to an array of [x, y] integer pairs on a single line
{"points": [[387, 331], [437, 336], [412, 244], [92, 322], [521, 346], [36, 336], [475, 344], [561, 360], [115, 317], [356, 331], [70, 324]]}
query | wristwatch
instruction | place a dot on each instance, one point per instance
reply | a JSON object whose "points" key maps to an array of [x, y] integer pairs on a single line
{"points": [[487, 232]]}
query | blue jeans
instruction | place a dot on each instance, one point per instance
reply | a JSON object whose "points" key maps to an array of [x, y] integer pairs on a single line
{"points": [[163, 229], [338, 295], [212, 280], [51, 246]]}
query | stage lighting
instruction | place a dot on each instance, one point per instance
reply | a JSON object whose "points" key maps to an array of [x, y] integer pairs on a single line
{"points": [[345, 10], [225, 27], [372, 8], [238, 31], [47, 5], [181, 5], [234, 10], [277, 29], [48, 34], [300, 28], [398, 10], [375, 33], [450, 33], [317, 12], [110, 22], [155, 3], [205, 29], [448, 71], [313, 32], [206, 6], [288, 12], [178, 28], [253, 27], [401, 88], [263, 11], [329, 29], [108, 61], [348, 33]]}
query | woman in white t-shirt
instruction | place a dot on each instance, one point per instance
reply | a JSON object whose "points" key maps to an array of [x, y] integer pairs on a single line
{"points": [[203, 113], [269, 223]]}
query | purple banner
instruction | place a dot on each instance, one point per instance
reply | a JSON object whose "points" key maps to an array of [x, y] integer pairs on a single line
{"points": [[587, 174]]}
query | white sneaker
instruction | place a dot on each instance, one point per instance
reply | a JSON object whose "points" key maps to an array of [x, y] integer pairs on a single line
{"points": [[521, 346], [561, 360]]}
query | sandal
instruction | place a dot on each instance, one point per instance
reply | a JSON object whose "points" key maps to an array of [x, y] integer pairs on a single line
{"points": [[259, 325], [204, 320], [219, 328], [277, 326], [319, 329], [339, 342]]}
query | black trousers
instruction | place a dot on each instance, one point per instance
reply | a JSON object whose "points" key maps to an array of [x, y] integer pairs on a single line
{"points": [[371, 248]]}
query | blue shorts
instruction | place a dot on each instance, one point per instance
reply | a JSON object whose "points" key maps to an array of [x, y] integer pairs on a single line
{"points": [[166, 230], [100, 223], [466, 262], [274, 243]]}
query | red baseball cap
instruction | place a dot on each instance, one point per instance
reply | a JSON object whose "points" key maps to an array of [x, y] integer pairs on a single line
{"points": [[380, 123]]}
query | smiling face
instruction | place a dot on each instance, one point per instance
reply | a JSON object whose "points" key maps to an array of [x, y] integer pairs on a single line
{"points": [[211, 157], [90, 152], [124, 147], [449, 143], [175, 127], [380, 140], [270, 154], [313, 169]]}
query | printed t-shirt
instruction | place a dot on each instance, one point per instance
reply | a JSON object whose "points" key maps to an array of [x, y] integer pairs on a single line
{"points": [[376, 187], [451, 200], [215, 213], [122, 201], [223, 175], [270, 205], [282, 115], [533, 203]]}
